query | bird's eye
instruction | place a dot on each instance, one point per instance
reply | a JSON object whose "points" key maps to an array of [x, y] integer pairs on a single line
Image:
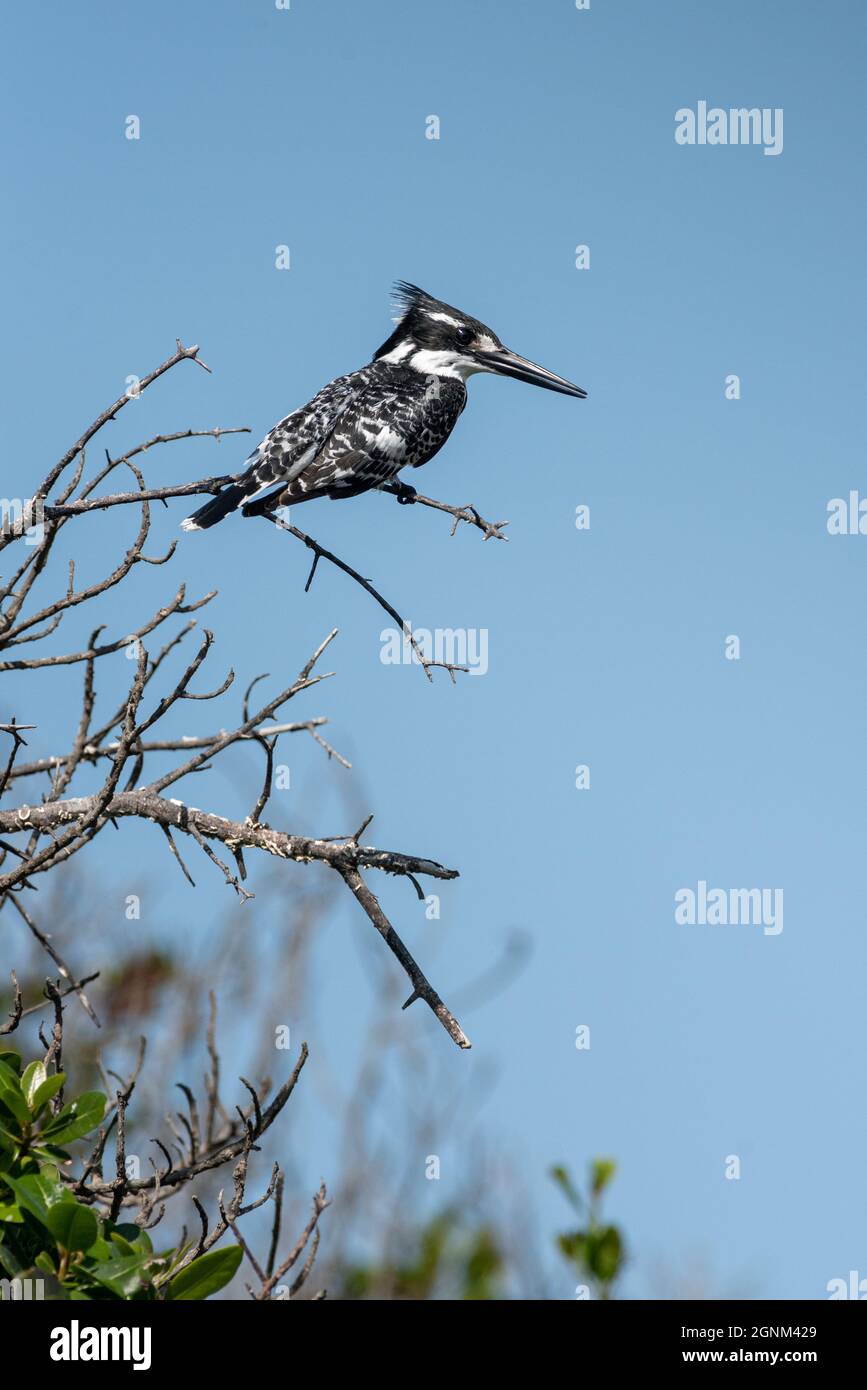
{"points": [[464, 336]]}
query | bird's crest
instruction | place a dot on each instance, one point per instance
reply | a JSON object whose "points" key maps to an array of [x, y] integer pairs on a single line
{"points": [[405, 297], [414, 312]]}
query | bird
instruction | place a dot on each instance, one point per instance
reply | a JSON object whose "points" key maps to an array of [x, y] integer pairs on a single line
{"points": [[362, 429]]}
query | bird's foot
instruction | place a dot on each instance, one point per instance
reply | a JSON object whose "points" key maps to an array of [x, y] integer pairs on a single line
{"points": [[406, 494]]}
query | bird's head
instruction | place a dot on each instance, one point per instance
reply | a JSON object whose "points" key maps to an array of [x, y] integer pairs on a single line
{"points": [[439, 340]]}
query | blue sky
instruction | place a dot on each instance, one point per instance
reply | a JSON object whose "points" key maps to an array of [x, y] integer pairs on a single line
{"points": [[606, 647]]}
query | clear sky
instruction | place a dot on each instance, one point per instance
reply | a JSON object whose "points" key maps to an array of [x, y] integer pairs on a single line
{"points": [[606, 647]]}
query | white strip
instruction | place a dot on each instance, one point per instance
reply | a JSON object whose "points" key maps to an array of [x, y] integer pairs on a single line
{"points": [[390, 443], [399, 353], [443, 363]]}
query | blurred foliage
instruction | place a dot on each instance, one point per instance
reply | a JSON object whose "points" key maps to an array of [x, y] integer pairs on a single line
{"points": [[451, 1259], [384, 1241], [595, 1249], [446, 1261], [134, 987]]}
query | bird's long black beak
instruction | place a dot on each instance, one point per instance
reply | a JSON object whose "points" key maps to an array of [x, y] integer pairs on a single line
{"points": [[508, 363]]}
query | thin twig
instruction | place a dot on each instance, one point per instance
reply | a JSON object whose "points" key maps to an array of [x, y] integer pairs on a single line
{"points": [[320, 553]]}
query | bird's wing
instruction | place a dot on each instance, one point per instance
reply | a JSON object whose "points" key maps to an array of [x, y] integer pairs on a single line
{"points": [[294, 442], [360, 450]]}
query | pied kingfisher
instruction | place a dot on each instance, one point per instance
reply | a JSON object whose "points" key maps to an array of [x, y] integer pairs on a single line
{"points": [[362, 429]]}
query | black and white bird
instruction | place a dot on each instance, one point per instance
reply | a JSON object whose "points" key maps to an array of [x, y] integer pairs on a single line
{"points": [[362, 429]]}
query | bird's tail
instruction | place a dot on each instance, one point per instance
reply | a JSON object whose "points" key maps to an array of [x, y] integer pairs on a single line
{"points": [[226, 501]]}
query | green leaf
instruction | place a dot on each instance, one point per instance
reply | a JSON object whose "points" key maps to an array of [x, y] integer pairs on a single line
{"points": [[48, 1154], [133, 1236], [12, 1097], [10, 1059], [50, 1086], [77, 1119], [602, 1170], [604, 1253], [122, 1245], [50, 1172], [206, 1275], [10, 1262], [36, 1194], [573, 1245], [564, 1182], [123, 1277], [44, 1262], [11, 1212], [10, 1134], [31, 1079], [73, 1225]]}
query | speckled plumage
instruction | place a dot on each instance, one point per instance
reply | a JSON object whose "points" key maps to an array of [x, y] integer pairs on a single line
{"points": [[357, 433]]}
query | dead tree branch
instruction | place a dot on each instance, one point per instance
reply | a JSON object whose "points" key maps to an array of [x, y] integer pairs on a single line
{"points": [[320, 553]]}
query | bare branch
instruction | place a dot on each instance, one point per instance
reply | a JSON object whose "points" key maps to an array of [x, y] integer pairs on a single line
{"points": [[320, 1202], [144, 804], [347, 857], [422, 988], [176, 605], [18, 741], [90, 753], [493, 530], [16, 1013], [224, 1148], [182, 354], [157, 494], [48, 946], [320, 553]]}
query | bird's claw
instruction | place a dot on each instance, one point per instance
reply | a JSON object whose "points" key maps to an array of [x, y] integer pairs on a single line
{"points": [[406, 494]]}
